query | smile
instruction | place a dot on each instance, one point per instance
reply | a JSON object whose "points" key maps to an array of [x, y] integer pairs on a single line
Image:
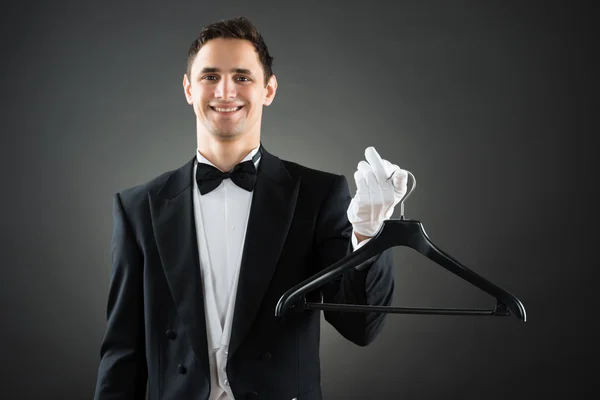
{"points": [[226, 110]]}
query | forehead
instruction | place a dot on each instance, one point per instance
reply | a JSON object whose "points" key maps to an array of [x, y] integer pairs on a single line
{"points": [[226, 54]]}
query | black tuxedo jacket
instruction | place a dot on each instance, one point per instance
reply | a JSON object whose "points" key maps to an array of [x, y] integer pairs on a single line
{"points": [[155, 343]]}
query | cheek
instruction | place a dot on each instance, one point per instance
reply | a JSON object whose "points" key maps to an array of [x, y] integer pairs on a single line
{"points": [[201, 102], [255, 102], [202, 98], [199, 96]]}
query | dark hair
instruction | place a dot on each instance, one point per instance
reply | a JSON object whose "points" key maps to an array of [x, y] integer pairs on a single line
{"points": [[236, 28]]}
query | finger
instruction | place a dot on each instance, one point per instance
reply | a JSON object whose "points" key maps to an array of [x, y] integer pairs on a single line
{"points": [[376, 163], [361, 182], [369, 174], [396, 175], [400, 181], [364, 168], [389, 167]]}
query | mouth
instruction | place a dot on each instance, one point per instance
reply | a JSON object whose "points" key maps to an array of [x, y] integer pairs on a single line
{"points": [[226, 110]]}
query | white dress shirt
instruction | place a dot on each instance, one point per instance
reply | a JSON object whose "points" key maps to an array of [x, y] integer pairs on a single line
{"points": [[221, 218]]}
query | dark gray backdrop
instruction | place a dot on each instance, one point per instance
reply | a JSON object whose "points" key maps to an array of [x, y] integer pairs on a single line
{"points": [[485, 102]]}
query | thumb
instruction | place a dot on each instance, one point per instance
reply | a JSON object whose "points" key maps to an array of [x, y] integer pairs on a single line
{"points": [[400, 180]]}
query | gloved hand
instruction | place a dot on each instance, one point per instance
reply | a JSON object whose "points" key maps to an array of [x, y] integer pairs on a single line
{"points": [[380, 185]]}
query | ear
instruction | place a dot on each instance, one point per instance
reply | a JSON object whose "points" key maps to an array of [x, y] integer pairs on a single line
{"points": [[271, 90], [187, 89]]}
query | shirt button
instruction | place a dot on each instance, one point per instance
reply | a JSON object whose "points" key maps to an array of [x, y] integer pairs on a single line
{"points": [[181, 369], [266, 356], [233, 227], [171, 334]]}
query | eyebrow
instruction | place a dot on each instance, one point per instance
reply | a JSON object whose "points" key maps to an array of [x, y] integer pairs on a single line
{"points": [[235, 70]]}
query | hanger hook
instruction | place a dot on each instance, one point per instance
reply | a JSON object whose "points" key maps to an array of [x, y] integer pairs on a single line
{"points": [[414, 185]]}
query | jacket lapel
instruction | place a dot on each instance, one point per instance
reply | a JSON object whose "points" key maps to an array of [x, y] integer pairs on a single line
{"points": [[172, 215], [271, 213]]}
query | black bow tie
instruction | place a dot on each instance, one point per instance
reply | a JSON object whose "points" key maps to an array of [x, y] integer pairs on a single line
{"points": [[243, 175]]}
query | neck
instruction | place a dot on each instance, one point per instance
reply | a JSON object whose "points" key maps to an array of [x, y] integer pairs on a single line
{"points": [[226, 154]]}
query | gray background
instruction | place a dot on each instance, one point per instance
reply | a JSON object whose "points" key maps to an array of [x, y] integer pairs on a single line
{"points": [[488, 103]]}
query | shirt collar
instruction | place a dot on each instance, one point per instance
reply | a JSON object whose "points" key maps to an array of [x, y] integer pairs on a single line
{"points": [[201, 159]]}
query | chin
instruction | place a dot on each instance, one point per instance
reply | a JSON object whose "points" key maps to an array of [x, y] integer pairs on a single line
{"points": [[226, 135]]}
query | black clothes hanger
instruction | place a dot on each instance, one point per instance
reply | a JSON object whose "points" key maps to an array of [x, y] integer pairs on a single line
{"points": [[399, 232]]}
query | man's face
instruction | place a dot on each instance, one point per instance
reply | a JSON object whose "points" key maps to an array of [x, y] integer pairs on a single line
{"points": [[226, 89]]}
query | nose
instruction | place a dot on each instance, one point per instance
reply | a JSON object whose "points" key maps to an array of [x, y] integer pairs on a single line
{"points": [[225, 89]]}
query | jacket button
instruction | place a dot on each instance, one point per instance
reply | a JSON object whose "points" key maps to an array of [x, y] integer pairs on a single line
{"points": [[171, 334], [251, 395], [266, 356], [181, 369]]}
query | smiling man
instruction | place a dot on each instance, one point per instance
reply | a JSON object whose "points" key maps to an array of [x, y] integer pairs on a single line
{"points": [[201, 254], [227, 88]]}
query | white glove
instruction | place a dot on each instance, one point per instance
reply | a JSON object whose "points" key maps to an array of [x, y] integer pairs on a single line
{"points": [[380, 185]]}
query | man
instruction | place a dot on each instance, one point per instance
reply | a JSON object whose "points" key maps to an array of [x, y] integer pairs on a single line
{"points": [[200, 258]]}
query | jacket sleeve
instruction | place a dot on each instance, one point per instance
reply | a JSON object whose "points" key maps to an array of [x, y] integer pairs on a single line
{"points": [[372, 285], [122, 373]]}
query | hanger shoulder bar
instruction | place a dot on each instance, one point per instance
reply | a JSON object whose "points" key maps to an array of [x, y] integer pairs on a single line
{"points": [[498, 311], [353, 260]]}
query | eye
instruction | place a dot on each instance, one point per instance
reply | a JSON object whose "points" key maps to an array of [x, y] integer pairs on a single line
{"points": [[244, 77], [207, 77]]}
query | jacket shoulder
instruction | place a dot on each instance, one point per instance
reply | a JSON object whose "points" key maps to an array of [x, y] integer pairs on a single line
{"points": [[135, 196], [318, 177]]}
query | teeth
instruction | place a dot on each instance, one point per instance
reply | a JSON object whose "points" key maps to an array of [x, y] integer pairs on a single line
{"points": [[226, 109]]}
